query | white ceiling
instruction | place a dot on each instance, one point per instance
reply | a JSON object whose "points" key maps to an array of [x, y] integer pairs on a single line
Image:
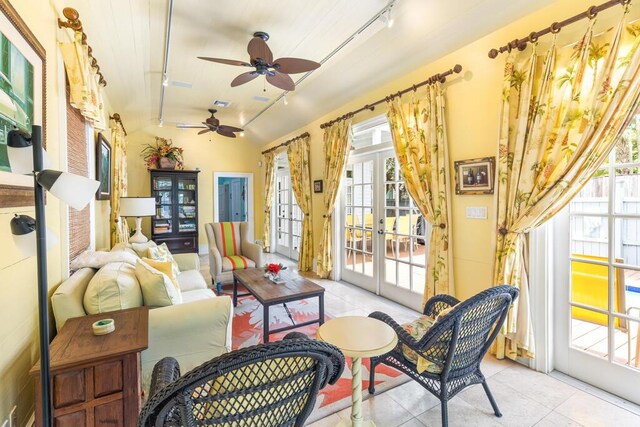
{"points": [[128, 36]]}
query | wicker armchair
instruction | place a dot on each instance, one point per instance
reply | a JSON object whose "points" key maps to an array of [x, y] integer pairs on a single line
{"points": [[272, 384], [453, 347]]}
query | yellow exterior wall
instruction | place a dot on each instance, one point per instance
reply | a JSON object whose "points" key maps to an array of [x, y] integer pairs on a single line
{"points": [[473, 102], [218, 155], [18, 284]]}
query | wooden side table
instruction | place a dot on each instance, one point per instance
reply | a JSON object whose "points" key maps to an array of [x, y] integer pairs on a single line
{"points": [[95, 380], [358, 337]]}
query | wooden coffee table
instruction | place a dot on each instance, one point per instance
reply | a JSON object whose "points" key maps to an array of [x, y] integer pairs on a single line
{"points": [[268, 293]]}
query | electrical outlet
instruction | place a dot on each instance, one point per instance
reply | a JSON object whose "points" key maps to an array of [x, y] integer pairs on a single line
{"points": [[13, 417]]}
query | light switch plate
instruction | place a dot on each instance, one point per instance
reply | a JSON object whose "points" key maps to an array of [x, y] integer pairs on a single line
{"points": [[476, 212]]}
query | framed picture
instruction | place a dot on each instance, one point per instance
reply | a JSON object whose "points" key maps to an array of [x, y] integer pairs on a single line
{"points": [[103, 168], [475, 176], [317, 186], [23, 83]]}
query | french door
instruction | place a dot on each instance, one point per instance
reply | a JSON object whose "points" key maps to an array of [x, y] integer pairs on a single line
{"points": [[384, 239], [288, 217], [597, 289]]}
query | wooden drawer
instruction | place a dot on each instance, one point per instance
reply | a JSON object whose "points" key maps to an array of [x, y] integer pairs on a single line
{"points": [[180, 244]]}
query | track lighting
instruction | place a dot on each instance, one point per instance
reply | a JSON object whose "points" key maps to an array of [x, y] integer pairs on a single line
{"points": [[284, 99], [165, 81], [160, 123], [389, 18]]}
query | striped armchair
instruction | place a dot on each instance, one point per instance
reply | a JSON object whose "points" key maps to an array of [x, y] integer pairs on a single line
{"points": [[229, 250]]}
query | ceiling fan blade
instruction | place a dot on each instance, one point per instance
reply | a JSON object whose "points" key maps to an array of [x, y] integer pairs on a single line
{"points": [[258, 48], [244, 78], [226, 61], [227, 134], [295, 65], [203, 131], [225, 128], [283, 81]]}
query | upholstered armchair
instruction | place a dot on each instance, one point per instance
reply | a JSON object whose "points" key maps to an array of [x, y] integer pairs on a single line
{"points": [[272, 384], [442, 349], [229, 250]]}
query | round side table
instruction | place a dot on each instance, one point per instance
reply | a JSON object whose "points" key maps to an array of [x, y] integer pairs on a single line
{"points": [[358, 337]]}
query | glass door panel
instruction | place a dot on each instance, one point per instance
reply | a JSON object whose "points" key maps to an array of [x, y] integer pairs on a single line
{"points": [[162, 186], [288, 217]]}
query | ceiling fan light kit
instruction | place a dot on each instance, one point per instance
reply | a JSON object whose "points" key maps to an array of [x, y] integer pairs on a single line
{"points": [[276, 72]]}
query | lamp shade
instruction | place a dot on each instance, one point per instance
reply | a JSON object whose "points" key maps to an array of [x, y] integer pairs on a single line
{"points": [[75, 190], [20, 152], [137, 206], [23, 229]]}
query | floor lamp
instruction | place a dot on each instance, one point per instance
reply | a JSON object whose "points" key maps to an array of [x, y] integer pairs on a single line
{"points": [[26, 156]]}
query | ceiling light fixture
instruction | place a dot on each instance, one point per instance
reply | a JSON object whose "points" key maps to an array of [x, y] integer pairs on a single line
{"points": [[160, 123], [284, 99], [165, 81], [359, 31], [389, 18], [242, 134]]}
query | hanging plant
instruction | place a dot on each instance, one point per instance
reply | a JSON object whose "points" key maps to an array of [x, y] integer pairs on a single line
{"points": [[162, 155]]}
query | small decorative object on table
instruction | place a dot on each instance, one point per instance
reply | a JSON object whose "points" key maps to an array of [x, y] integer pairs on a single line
{"points": [[272, 272], [162, 155], [103, 327]]}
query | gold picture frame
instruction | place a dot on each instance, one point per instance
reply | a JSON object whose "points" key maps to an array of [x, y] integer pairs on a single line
{"points": [[17, 190], [475, 176]]}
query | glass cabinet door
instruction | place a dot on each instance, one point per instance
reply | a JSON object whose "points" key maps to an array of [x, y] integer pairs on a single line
{"points": [[163, 193], [187, 195]]}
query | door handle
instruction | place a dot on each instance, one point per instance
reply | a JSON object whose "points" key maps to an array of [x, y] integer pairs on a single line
{"points": [[381, 232]]}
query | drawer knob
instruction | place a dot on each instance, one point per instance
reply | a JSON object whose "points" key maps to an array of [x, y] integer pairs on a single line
{"points": [[187, 243]]}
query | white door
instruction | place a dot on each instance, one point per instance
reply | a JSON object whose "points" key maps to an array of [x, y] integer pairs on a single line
{"points": [[288, 217], [597, 286], [384, 238]]}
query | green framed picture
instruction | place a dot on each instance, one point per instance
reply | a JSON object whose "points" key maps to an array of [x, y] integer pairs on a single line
{"points": [[103, 167]]}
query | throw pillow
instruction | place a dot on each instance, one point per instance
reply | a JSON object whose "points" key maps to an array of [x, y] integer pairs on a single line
{"points": [[445, 312], [161, 253], [417, 329], [164, 267], [157, 288], [99, 259], [113, 287], [142, 248]]}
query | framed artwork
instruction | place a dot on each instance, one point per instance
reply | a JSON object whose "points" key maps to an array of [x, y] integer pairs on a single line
{"points": [[103, 168], [22, 83], [475, 176], [317, 186]]}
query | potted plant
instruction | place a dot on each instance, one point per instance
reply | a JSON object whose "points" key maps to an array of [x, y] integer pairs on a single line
{"points": [[162, 155]]}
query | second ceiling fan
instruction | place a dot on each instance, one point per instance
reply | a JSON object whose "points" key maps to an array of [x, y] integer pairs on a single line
{"points": [[261, 58]]}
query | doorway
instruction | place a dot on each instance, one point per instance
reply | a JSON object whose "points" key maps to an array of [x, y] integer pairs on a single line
{"points": [[233, 198], [288, 226], [597, 277], [384, 239]]}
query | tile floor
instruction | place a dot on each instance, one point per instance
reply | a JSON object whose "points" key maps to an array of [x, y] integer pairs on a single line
{"points": [[525, 397]]}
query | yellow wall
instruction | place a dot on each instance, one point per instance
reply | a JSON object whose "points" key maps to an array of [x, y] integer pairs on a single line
{"points": [[473, 101], [18, 291], [210, 154]]}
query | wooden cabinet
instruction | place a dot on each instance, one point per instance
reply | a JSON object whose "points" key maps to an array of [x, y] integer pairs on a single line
{"points": [[176, 220], [95, 380]]}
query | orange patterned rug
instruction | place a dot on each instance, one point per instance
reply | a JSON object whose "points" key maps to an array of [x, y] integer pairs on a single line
{"points": [[247, 331]]}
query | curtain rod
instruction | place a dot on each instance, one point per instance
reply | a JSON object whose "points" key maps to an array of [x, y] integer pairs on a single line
{"points": [[287, 142], [116, 118], [73, 23], [441, 77], [590, 13]]}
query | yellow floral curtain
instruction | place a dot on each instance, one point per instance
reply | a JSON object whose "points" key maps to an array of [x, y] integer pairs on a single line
{"points": [[335, 150], [86, 94], [562, 112], [419, 137], [298, 155], [119, 226], [269, 184]]}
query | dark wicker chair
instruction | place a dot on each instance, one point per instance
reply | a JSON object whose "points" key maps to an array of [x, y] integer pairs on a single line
{"points": [[272, 384], [456, 343]]}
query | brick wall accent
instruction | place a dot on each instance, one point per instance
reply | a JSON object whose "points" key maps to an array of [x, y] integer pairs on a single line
{"points": [[78, 163]]}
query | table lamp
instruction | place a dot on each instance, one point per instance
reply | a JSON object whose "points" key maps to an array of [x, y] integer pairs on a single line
{"points": [[138, 207], [26, 156]]}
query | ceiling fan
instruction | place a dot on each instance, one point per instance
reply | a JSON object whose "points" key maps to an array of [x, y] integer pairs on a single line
{"points": [[276, 72], [213, 125]]}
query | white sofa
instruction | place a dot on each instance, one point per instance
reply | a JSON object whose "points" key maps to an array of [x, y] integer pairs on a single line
{"points": [[193, 332]]}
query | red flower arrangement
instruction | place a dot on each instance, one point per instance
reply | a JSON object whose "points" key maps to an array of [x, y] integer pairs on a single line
{"points": [[274, 268]]}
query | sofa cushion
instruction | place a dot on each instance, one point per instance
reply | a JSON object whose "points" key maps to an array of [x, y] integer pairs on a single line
{"points": [[97, 260], [190, 280], [142, 248], [157, 288], [162, 253], [197, 295], [67, 299], [227, 236], [417, 329], [113, 287], [124, 247]]}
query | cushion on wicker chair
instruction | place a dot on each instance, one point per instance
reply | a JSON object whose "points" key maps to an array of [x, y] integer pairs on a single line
{"points": [[417, 329]]}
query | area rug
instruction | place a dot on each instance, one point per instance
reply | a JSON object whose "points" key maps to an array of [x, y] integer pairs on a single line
{"points": [[247, 331]]}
